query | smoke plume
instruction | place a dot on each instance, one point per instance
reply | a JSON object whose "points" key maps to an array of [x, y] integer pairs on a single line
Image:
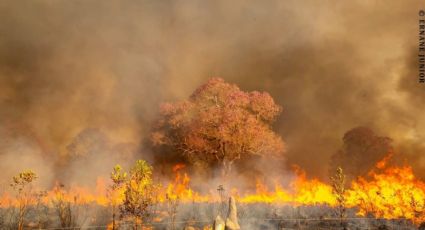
{"points": [[71, 66]]}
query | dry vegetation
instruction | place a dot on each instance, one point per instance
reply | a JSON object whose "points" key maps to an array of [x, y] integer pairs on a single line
{"points": [[140, 206]]}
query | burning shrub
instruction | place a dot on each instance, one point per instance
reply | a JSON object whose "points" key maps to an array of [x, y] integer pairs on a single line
{"points": [[118, 178], [139, 192]]}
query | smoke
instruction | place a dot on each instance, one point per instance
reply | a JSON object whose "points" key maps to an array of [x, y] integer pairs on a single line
{"points": [[92, 154], [69, 66], [19, 151]]}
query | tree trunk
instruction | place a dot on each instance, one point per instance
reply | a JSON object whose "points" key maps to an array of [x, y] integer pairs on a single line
{"points": [[226, 168], [223, 169], [229, 166], [113, 217], [21, 217]]}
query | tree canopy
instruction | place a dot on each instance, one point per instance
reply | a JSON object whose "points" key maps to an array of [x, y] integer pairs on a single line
{"points": [[361, 150], [139, 190], [219, 123]]}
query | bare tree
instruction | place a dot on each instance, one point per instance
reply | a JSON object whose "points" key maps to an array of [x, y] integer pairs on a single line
{"points": [[338, 189], [40, 208], [62, 207], [221, 193], [172, 205]]}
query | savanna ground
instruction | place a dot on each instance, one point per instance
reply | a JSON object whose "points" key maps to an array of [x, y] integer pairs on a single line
{"points": [[199, 216]]}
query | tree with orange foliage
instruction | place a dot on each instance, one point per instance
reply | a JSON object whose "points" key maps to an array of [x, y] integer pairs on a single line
{"points": [[220, 124]]}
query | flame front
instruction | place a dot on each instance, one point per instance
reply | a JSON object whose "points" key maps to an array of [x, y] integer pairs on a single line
{"points": [[392, 193], [387, 192], [301, 192]]}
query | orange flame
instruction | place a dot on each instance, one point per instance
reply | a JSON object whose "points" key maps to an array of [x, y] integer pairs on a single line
{"points": [[392, 193], [387, 192]]}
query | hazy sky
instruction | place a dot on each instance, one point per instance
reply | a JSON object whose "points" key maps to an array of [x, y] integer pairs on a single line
{"points": [[66, 66]]}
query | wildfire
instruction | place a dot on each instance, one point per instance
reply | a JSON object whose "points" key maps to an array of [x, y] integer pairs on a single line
{"points": [[180, 188], [78, 195], [391, 193], [387, 192], [301, 192]]}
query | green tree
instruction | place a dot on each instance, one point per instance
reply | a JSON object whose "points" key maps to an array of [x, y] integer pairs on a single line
{"points": [[139, 193], [118, 178], [22, 184]]}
